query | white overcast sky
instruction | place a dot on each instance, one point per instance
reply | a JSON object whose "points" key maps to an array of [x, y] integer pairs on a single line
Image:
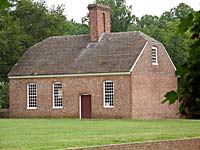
{"points": [[76, 9]]}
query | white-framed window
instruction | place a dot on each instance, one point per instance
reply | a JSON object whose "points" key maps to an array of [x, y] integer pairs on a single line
{"points": [[31, 96], [154, 53], [57, 95], [108, 89]]}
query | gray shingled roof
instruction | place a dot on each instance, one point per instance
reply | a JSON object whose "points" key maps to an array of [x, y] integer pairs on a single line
{"points": [[57, 55]]}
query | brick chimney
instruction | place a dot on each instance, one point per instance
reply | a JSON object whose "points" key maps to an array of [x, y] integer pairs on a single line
{"points": [[99, 16]]}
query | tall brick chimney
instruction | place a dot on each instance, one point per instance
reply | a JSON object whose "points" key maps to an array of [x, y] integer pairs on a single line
{"points": [[99, 18]]}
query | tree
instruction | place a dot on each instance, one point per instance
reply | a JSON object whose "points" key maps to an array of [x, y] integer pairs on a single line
{"points": [[177, 44], [12, 43], [4, 98], [39, 22], [120, 14], [11, 47], [179, 12], [4, 4], [182, 11], [73, 28], [148, 21], [188, 73]]}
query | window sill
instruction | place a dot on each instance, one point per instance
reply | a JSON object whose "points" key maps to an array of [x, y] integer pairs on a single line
{"points": [[57, 107], [155, 64], [31, 108], [108, 106]]}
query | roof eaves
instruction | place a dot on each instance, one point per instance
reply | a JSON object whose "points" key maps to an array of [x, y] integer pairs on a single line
{"points": [[69, 75]]}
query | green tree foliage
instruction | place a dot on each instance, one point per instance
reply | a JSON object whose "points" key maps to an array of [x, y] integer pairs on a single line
{"points": [[148, 21], [177, 44], [120, 14], [4, 4], [4, 98], [179, 12], [73, 28], [37, 21], [12, 43], [188, 89]]}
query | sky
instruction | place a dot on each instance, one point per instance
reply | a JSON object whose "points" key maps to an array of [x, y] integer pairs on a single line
{"points": [[76, 9]]}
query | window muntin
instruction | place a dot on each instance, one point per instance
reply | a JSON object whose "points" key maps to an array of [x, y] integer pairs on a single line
{"points": [[108, 94], [57, 95], [31, 96], [154, 55]]}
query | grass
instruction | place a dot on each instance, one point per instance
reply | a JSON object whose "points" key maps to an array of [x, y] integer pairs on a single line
{"points": [[63, 133]]}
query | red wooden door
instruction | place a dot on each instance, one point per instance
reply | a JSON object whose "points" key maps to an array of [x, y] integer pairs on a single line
{"points": [[86, 106]]}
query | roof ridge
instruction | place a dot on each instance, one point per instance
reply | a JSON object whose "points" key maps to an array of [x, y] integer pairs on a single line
{"points": [[147, 37], [124, 32], [142, 34], [68, 36]]}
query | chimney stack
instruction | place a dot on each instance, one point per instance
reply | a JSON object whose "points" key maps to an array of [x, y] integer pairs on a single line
{"points": [[99, 20]]}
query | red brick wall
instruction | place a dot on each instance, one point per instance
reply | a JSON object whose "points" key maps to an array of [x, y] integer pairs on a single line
{"points": [[96, 20], [185, 144], [149, 85], [72, 88]]}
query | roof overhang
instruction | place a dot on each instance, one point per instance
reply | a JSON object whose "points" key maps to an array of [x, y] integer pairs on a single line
{"points": [[69, 75]]}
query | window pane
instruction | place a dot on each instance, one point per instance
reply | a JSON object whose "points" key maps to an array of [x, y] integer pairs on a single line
{"points": [[154, 55], [57, 92], [32, 95], [108, 93]]}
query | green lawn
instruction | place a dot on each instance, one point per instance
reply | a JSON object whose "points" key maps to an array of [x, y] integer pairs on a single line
{"points": [[63, 133]]}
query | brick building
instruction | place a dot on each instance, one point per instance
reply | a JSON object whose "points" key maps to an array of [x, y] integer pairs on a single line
{"points": [[101, 75]]}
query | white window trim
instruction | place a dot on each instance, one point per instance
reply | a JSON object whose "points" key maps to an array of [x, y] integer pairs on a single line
{"points": [[57, 107], [104, 94], [155, 48], [27, 90]]}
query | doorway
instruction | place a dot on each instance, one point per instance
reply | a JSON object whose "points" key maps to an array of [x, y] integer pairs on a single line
{"points": [[86, 107]]}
